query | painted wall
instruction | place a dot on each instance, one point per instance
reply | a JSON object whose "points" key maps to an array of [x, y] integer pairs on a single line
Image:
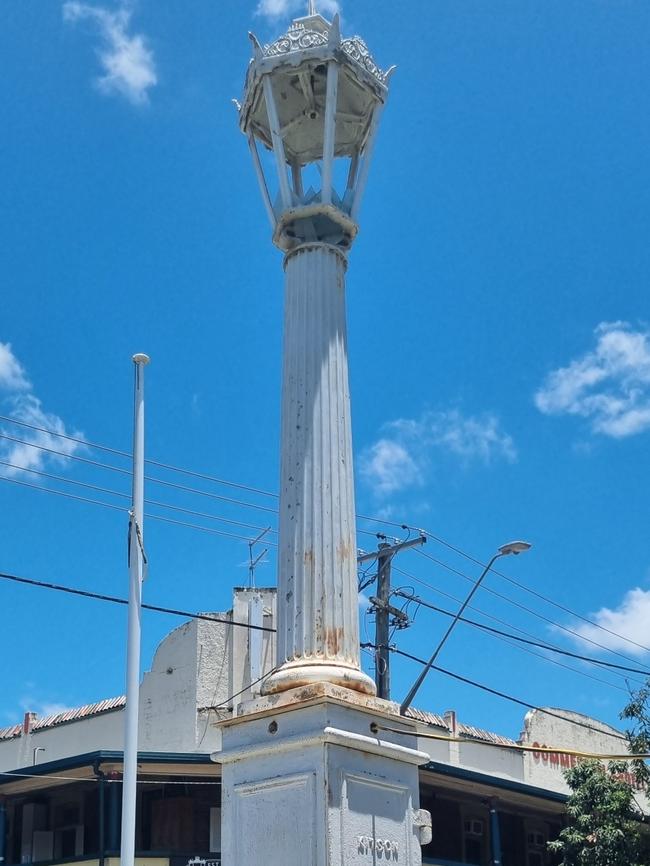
{"points": [[76, 738], [200, 665], [185, 692], [571, 731], [189, 671]]}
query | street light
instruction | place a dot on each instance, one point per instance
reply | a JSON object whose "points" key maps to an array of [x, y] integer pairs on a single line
{"points": [[513, 548], [311, 110]]}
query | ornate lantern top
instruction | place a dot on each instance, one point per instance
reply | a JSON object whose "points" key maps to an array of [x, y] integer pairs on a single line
{"points": [[313, 32], [312, 97]]}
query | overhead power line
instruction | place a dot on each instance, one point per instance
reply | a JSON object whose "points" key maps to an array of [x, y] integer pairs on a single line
{"points": [[544, 750], [97, 463], [259, 491], [454, 548], [163, 781], [503, 695], [124, 510], [128, 454], [514, 637], [161, 481], [231, 698], [531, 591], [525, 608], [112, 599], [510, 625], [108, 491], [210, 618], [564, 666], [182, 487]]}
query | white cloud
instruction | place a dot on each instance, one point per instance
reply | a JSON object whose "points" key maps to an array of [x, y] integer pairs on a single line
{"points": [[610, 385], [471, 438], [629, 620], [12, 375], [18, 399], [388, 466], [29, 704], [51, 709], [278, 9], [400, 459], [129, 67], [54, 709]]}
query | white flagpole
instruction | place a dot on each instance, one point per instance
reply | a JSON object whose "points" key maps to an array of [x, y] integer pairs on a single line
{"points": [[137, 563]]}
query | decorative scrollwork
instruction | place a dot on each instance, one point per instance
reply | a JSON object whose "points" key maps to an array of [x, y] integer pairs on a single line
{"points": [[357, 49], [298, 38]]}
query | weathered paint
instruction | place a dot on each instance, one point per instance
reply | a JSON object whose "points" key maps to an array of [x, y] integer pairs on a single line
{"points": [[195, 669], [313, 786], [318, 631], [578, 732]]}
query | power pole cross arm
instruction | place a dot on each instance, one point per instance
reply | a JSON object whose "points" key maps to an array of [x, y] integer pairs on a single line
{"points": [[384, 610]]}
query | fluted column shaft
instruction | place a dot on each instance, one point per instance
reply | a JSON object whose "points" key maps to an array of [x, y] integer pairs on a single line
{"points": [[318, 625]]}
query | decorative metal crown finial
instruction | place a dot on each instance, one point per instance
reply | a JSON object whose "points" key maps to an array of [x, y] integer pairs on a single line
{"points": [[312, 97]]}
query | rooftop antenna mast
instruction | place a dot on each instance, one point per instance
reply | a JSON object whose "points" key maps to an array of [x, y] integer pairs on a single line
{"points": [[312, 7], [252, 563]]}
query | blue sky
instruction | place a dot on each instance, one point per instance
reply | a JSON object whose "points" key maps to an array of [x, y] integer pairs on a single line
{"points": [[498, 316]]}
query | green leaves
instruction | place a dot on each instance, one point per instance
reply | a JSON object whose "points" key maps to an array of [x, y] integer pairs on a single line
{"points": [[603, 821], [638, 711]]}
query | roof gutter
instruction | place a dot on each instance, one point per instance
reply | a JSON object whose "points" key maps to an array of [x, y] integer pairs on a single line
{"points": [[96, 759], [511, 785]]}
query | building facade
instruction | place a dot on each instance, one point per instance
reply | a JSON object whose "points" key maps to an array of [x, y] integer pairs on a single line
{"points": [[60, 776]]}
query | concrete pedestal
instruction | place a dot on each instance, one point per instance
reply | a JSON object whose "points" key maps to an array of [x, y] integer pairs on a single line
{"points": [[305, 782]]}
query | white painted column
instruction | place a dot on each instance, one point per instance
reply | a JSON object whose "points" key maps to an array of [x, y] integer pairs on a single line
{"points": [[318, 626]]}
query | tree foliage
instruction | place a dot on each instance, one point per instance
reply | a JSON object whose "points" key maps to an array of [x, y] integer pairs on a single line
{"points": [[638, 712], [604, 822], [602, 819]]}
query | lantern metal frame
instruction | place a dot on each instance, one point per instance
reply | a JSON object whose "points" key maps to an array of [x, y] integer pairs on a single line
{"points": [[312, 97]]}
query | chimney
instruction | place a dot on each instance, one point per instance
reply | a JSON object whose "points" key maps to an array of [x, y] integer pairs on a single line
{"points": [[451, 721], [28, 722]]}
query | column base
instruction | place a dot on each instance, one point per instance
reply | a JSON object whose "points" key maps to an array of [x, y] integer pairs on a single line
{"points": [[308, 783], [301, 673]]}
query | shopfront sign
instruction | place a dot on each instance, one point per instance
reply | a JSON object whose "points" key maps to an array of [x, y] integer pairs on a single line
{"points": [[196, 860]]}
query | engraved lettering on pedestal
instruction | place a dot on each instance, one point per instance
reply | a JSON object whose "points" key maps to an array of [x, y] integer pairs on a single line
{"points": [[376, 820], [385, 849]]}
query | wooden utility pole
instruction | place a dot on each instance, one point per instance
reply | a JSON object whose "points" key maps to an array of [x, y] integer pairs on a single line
{"points": [[384, 611]]}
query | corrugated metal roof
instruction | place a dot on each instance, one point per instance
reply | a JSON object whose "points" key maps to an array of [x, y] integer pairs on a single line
{"points": [[10, 732], [73, 715], [427, 718], [473, 733], [111, 704], [468, 731]]}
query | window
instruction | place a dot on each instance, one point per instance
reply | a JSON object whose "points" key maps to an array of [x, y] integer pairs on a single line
{"points": [[181, 820], [536, 839], [474, 839]]}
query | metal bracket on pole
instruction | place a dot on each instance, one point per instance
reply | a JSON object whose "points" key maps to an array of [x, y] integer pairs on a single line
{"points": [[384, 610], [395, 612]]}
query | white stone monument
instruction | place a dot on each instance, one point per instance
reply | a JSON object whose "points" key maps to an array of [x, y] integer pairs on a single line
{"points": [[305, 780]]}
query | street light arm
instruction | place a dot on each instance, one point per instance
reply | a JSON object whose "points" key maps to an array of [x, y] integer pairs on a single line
{"points": [[406, 703]]}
